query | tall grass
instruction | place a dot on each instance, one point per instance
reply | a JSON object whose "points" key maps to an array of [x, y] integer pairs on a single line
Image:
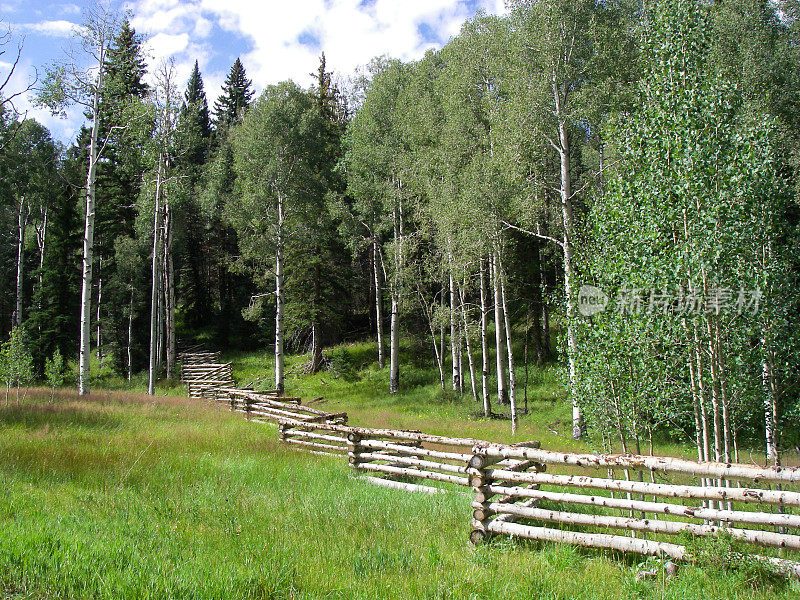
{"points": [[120, 496]]}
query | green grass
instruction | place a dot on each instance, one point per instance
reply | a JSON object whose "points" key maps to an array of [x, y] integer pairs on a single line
{"points": [[117, 496]]}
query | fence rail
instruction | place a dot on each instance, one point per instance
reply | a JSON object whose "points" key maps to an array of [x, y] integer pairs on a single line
{"points": [[516, 492]]}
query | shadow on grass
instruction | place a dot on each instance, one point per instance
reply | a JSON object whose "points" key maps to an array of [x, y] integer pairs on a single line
{"points": [[35, 416]]}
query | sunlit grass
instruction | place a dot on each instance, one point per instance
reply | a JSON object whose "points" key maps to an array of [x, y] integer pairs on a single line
{"points": [[117, 496]]}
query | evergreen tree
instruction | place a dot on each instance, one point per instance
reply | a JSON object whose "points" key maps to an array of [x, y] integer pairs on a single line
{"points": [[119, 181], [235, 98], [53, 321], [192, 147]]}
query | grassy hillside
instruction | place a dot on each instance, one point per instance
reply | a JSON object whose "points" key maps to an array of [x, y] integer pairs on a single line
{"points": [[116, 496]]}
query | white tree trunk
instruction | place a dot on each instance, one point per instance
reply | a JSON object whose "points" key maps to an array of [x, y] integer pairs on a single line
{"points": [[22, 223], [470, 359], [455, 351], [279, 300], [130, 338], [88, 238], [155, 283], [512, 383], [376, 254], [169, 292], [499, 339], [394, 334], [769, 413], [394, 348], [487, 406], [569, 226]]}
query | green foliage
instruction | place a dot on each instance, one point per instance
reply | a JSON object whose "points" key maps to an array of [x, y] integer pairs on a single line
{"points": [[55, 371], [16, 362], [723, 554]]}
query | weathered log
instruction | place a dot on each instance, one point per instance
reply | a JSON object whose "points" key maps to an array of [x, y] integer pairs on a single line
{"points": [[401, 485], [413, 473], [764, 538], [653, 489], [416, 462], [665, 508], [591, 540], [640, 462], [415, 451], [313, 435], [317, 445]]}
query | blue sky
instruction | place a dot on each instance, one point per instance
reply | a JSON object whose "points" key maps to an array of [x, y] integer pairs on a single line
{"points": [[276, 39]]}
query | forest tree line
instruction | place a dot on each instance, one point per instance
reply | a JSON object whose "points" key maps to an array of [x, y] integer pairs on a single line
{"points": [[463, 204]]}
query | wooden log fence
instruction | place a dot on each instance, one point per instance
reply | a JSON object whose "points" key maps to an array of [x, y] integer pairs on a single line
{"points": [[513, 501], [515, 492]]}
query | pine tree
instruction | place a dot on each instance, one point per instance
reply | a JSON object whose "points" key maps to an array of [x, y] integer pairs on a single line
{"points": [[235, 98], [193, 145]]}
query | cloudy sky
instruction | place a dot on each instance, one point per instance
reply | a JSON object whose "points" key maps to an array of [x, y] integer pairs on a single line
{"points": [[276, 39]]}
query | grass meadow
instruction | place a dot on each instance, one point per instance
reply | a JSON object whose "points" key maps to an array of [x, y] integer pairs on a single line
{"points": [[119, 496]]}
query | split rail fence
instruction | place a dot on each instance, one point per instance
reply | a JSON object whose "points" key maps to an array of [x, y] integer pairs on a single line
{"points": [[622, 502]]}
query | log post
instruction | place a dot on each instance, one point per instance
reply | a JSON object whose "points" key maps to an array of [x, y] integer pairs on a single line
{"points": [[354, 449], [480, 482], [281, 432]]}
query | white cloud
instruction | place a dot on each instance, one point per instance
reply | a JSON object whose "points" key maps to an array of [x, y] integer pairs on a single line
{"points": [[58, 28], [350, 33], [69, 9]]}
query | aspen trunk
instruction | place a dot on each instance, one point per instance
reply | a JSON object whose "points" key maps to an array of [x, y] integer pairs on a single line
{"points": [[279, 299], [512, 384], [770, 424], [41, 239], [98, 336], [156, 282], [130, 338], [487, 406], [378, 301], [455, 351], [502, 397], [394, 347], [169, 292], [22, 223], [468, 344], [568, 223], [394, 334], [88, 238]]}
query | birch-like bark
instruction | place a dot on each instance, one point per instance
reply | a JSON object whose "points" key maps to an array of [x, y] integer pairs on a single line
{"points": [[169, 292], [155, 287], [130, 338], [455, 351], [566, 245], [22, 224], [279, 300], [41, 240], [378, 301], [499, 339], [88, 236], [512, 384], [487, 406], [467, 342]]}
